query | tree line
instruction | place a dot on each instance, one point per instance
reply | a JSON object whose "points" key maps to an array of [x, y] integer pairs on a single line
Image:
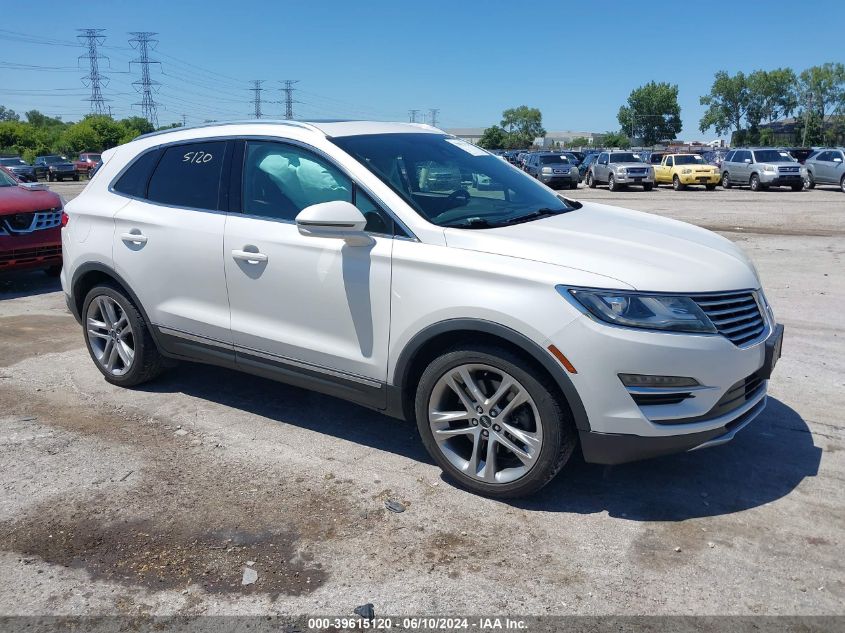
{"points": [[740, 105], [38, 134]]}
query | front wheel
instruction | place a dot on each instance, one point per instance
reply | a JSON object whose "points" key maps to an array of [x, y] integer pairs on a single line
{"points": [[676, 183], [710, 187], [491, 422], [648, 186], [798, 187], [809, 183], [76, 177], [611, 183], [573, 185], [591, 182], [118, 339], [726, 181], [754, 183], [842, 184]]}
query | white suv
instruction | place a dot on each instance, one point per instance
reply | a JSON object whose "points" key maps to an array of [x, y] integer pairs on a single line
{"points": [[411, 272]]}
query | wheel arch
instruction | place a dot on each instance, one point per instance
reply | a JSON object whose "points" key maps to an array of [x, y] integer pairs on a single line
{"points": [[429, 342]]}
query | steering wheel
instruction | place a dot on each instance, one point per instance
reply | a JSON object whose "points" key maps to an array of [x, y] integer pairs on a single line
{"points": [[459, 198]]}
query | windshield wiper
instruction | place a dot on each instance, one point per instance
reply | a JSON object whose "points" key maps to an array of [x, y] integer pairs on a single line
{"points": [[472, 223], [534, 215]]}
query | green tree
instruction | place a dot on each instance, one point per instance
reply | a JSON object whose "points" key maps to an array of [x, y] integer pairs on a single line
{"points": [[579, 141], [653, 113], [772, 95], [494, 137], [615, 139], [727, 103], [821, 92], [8, 115], [523, 125]]}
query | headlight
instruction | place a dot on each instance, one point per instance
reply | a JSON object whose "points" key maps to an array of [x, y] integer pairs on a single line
{"points": [[651, 312], [546, 170], [573, 170], [686, 171], [620, 170], [651, 171], [769, 168]]}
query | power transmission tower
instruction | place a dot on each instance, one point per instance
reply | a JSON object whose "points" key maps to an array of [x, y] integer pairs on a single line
{"points": [[144, 42], [433, 114], [412, 115], [288, 91], [92, 38], [256, 97], [184, 120]]}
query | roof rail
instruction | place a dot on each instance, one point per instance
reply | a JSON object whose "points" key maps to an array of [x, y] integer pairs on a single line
{"points": [[300, 124]]}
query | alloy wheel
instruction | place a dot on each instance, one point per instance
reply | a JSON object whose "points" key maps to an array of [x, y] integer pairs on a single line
{"points": [[110, 335], [485, 423]]}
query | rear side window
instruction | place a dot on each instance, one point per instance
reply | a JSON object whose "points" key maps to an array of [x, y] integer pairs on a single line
{"points": [[189, 175], [134, 180]]}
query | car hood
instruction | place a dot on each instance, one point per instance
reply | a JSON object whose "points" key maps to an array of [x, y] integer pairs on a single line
{"points": [[20, 200], [629, 165], [640, 250]]}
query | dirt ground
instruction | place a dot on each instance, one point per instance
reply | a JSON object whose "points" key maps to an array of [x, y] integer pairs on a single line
{"points": [[155, 500]]}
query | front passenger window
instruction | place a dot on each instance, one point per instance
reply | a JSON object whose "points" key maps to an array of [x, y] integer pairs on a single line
{"points": [[281, 180]]}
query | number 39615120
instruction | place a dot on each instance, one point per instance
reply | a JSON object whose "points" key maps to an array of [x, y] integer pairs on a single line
{"points": [[197, 158]]}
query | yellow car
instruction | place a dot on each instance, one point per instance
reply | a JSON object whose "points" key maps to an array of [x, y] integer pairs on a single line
{"points": [[681, 170]]}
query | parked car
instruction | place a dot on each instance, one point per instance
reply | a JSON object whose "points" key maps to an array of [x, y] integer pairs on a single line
{"points": [[19, 167], [655, 158], [681, 170], [94, 169], [584, 166], [55, 168], [579, 156], [619, 169], [554, 170], [86, 162], [800, 154], [826, 167], [510, 325], [761, 168], [30, 223]]}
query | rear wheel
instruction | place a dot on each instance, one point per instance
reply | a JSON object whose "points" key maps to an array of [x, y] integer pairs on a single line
{"points": [[491, 422], [118, 339], [676, 183], [611, 183], [726, 181], [591, 182]]}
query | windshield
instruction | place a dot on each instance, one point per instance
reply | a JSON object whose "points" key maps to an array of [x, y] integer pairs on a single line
{"points": [[11, 162], [6, 180], [92, 157], [558, 158], [451, 182], [54, 159], [624, 157], [772, 156], [689, 160]]}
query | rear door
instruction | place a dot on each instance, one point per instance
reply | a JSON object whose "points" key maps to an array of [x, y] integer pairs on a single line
{"points": [[168, 241], [837, 166], [600, 169]]}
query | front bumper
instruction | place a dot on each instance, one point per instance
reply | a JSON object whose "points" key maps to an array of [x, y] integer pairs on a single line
{"points": [[633, 179], [731, 391], [781, 180], [700, 179], [553, 180], [41, 249]]}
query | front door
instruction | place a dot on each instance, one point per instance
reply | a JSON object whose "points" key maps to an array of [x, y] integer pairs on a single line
{"points": [[318, 304]]}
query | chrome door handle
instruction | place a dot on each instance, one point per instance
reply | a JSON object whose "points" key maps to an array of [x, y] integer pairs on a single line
{"points": [[135, 238], [248, 257]]}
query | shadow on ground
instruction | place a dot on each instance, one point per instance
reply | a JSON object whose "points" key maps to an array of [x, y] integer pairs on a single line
{"points": [[23, 284], [765, 462]]}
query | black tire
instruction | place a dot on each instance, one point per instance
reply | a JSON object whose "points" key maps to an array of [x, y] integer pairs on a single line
{"points": [[148, 362], [648, 186], [755, 183], [591, 182], [842, 184], [810, 183], [798, 187], [611, 183], [676, 184], [710, 187], [50, 178], [726, 181], [573, 185], [560, 437], [53, 271], [76, 177]]}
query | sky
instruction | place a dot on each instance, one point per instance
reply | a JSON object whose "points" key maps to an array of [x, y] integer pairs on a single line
{"points": [[377, 59]]}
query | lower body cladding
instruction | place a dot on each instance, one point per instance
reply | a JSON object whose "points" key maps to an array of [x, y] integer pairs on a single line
{"points": [[30, 251], [720, 388], [782, 180]]}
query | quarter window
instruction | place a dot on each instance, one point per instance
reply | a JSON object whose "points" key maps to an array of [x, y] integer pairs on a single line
{"points": [[189, 175], [134, 180], [281, 180]]}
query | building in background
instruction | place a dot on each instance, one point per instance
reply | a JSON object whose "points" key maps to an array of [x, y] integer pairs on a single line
{"points": [[552, 139]]}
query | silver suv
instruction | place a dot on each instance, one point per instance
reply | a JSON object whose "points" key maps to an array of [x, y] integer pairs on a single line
{"points": [[761, 168], [826, 167], [619, 169]]}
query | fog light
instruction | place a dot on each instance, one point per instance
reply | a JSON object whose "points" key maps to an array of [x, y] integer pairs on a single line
{"points": [[664, 382]]}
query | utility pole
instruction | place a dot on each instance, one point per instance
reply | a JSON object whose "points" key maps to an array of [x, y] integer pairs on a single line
{"points": [[184, 120], [433, 115], [92, 38], [288, 92], [144, 42], [256, 97], [412, 116]]}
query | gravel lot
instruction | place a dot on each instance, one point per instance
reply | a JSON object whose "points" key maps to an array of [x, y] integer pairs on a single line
{"points": [[153, 501]]}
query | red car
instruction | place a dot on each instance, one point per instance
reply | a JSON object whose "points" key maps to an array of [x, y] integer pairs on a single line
{"points": [[30, 226], [86, 162]]}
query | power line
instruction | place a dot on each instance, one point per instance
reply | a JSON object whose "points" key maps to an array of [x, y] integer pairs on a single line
{"points": [[288, 92], [93, 38], [256, 98], [433, 115], [143, 41]]}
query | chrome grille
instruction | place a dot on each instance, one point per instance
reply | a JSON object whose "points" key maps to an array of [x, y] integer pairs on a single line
{"points": [[29, 222], [788, 170], [736, 315]]}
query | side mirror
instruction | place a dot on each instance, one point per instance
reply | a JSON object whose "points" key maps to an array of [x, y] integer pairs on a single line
{"points": [[747, 160], [337, 219], [837, 159]]}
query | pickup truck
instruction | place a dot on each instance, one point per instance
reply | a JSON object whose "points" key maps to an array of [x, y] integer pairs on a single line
{"points": [[680, 170], [86, 162]]}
